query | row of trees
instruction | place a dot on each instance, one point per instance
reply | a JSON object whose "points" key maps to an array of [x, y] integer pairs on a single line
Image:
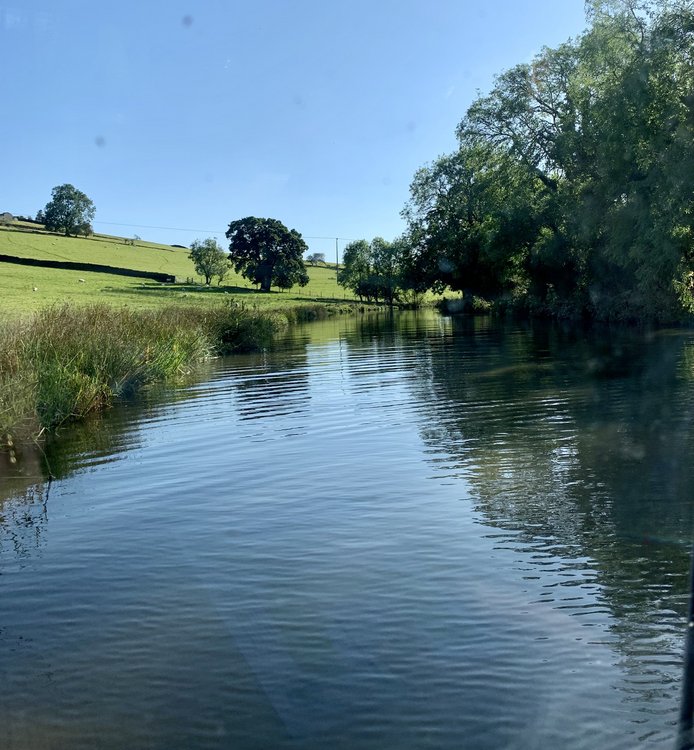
{"points": [[572, 187], [381, 271]]}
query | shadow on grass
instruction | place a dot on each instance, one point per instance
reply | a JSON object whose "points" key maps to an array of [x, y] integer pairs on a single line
{"points": [[194, 290], [167, 290]]}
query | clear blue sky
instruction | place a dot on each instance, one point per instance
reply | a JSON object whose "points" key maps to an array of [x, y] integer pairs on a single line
{"points": [[191, 114]]}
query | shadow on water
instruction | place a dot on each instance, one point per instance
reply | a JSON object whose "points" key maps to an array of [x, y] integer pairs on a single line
{"points": [[271, 386], [23, 501]]}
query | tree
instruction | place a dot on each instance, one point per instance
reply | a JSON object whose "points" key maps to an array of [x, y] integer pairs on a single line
{"points": [[386, 266], [639, 213], [267, 253], [571, 190], [374, 270], [69, 211], [210, 259], [357, 270], [472, 218], [316, 258]]}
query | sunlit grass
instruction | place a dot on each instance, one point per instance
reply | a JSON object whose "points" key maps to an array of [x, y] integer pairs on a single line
{"points": [[73, 341], [29, 289], [110, 251], [68, 361]]}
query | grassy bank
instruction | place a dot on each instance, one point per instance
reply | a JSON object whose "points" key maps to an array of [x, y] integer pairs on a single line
{"points": [[66, 361]]}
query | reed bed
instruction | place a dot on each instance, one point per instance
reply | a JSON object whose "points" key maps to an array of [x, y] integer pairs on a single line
{"points": [[66, 362]]}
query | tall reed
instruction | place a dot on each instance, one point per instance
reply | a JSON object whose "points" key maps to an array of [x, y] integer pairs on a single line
{"points": [[66, 361]]}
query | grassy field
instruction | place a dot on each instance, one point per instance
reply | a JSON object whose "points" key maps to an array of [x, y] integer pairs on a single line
{"points": [[72, 342], [25, 289]]}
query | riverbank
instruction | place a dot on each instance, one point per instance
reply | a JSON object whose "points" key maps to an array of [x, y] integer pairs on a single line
{"points": [[66, 362]]}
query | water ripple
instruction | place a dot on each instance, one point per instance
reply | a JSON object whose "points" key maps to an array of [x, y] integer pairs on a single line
{"points": [[404, 533]]}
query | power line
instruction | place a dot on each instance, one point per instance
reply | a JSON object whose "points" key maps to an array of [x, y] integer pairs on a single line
{"points": [[149, 226], [208, 231]]}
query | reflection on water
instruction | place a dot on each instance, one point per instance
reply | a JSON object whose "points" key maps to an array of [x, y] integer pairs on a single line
{"points": [[590, 468], [394, 532]]}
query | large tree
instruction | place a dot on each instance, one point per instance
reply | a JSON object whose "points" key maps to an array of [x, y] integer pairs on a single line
{"points": [[357, 270], [209, 259], [69, 211], [571, 191], [471, 219], [265, 252]]}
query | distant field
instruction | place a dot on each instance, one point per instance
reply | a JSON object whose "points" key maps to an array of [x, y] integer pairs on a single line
{"points": [[143, 256], [28, 288]]}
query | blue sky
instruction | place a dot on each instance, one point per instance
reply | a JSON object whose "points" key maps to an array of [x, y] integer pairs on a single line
{"points": [[188, 115]]}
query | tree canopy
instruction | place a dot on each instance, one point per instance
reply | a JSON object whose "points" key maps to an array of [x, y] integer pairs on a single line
{"points": [[378, 271], [69, 211], [316, 259], [267, 253], [572, 187], [209, 259]]}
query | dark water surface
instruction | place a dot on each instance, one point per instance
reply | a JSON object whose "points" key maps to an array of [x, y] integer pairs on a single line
{"points": [[409, 533]]}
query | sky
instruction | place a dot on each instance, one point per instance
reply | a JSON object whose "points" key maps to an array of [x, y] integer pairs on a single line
{"points": [[176, 118]]}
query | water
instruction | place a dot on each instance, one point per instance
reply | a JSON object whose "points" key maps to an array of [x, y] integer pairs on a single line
{"points": [[408, 533]]}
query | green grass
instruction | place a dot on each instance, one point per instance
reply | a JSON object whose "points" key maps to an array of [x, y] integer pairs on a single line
{"points": [[66, 362], [111, 251], [28, 289], [72, 342]]}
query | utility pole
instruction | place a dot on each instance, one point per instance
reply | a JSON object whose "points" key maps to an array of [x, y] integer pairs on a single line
{"points": [[337, 262]]}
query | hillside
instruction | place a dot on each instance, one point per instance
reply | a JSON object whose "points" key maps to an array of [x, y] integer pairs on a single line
{"points": [[24, 289]]}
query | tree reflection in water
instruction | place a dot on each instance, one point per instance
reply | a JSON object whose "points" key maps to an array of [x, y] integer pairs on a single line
{"points": [[574, 446], [579, 447]]}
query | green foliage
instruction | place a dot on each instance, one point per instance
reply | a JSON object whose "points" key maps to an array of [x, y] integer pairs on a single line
{"points": [[374, 270], [572, 186], [315, 258], [57, 286], [209, 259], [265, 252], [69, 211], [472, 218], [66, 362], [356, 271]]}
